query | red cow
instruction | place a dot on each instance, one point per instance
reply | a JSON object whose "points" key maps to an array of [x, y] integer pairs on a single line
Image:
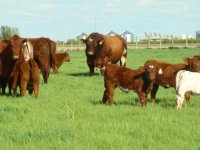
{"points": [[139, 80], [194, 63], [102, 49], [166, 75], [43, 55]]}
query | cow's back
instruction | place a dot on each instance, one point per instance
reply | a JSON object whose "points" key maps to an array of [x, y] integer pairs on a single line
{"points": [[117, 46]]}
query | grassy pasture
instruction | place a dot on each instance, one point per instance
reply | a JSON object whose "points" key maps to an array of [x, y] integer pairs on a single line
{"points": [[67, 114]]}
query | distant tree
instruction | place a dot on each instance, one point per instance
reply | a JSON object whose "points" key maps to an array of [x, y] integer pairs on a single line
{"points": [[73, 41], [7, 31]]}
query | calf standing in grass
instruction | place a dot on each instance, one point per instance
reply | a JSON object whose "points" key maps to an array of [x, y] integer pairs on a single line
{"points": [[186, 81], [139, 80], [25, 72], [60, 58]]}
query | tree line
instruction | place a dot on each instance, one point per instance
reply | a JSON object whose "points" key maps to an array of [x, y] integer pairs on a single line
{"points": [[7, 31]]}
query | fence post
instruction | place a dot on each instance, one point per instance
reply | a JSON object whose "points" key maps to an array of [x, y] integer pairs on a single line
{"points": [[136, 43], [172, 41], [71, 46], [186, 41], [160, 41], [148, 42]]}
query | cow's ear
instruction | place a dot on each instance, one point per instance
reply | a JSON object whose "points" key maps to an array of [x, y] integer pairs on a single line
{"points": [[186, 60], [83, 40], [100, 42]]}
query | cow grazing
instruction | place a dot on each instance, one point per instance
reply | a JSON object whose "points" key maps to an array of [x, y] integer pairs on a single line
{"points": [[60, 58], [102, 49], [139, 80], [184, 84], [166, 75], [26, 75]]}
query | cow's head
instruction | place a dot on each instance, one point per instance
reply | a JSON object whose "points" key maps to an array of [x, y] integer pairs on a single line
{"points": [[194, 63], [16, 45], [151, 72], [93, 42]]}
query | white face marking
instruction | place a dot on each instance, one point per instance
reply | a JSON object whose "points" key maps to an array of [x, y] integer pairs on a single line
{"points": [[151, 66], [90, 39], [160, 71]]}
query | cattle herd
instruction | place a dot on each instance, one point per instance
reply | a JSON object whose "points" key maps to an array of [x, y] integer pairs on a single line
{"points": [[22, 60], [102, 50]]}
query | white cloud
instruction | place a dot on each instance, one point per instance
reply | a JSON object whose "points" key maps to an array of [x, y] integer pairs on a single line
{"points": [[47, 6]]}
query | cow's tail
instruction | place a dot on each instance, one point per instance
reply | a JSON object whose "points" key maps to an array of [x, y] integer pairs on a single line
{"points": [[52, 61], [124, 55]]}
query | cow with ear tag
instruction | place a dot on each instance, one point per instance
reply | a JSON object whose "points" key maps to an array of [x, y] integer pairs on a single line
{"points": [[102, 50], [166, 75]]}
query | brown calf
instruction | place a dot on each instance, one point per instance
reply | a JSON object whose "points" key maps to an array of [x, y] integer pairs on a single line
{"points": [[139, 80], [60, 58], [26, 75], [166, 75]]}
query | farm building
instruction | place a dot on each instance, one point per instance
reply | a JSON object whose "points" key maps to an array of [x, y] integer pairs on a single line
{"points": [[111, 33], [82, 36], [128, 36], [198, 34]]}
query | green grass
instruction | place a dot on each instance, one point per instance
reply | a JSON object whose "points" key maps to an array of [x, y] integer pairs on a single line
{"points": [[68, 115]]}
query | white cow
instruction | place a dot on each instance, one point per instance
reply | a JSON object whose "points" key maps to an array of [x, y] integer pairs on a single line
{"points": [[186, 81]]}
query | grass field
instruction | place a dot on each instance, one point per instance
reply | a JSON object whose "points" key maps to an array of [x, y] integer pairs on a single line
{"points": [[68, 115]]}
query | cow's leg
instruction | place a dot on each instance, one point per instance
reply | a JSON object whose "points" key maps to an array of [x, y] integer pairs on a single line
{"points": [[23, 87], [179, 100], [15, 82], [187, 97], [123, 61], [110, 88], [91, 70], [153, 92], [104, 99], [44, 66], [4, 83], [142, 97]]}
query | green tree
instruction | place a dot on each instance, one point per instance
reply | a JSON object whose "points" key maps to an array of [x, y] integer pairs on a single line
{"points": [[7, 31]]}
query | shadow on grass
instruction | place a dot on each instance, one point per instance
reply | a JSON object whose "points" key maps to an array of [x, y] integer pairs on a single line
{"points": [[165, 103], [134, 102], [10, 96], [86, 74]]}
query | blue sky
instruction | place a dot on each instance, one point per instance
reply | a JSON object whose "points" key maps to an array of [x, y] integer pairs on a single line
{"points": [[64, 19]]}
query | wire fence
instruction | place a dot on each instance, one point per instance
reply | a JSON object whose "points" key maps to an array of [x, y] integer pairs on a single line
{"points": [[148, 45]]}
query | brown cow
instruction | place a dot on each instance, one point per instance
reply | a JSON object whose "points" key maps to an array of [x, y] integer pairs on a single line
{"points": [[166, 75], [60, 58], [194, 63], [102, 49], [43, 55], [6, 62], [26, 75], [139, 80]]}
